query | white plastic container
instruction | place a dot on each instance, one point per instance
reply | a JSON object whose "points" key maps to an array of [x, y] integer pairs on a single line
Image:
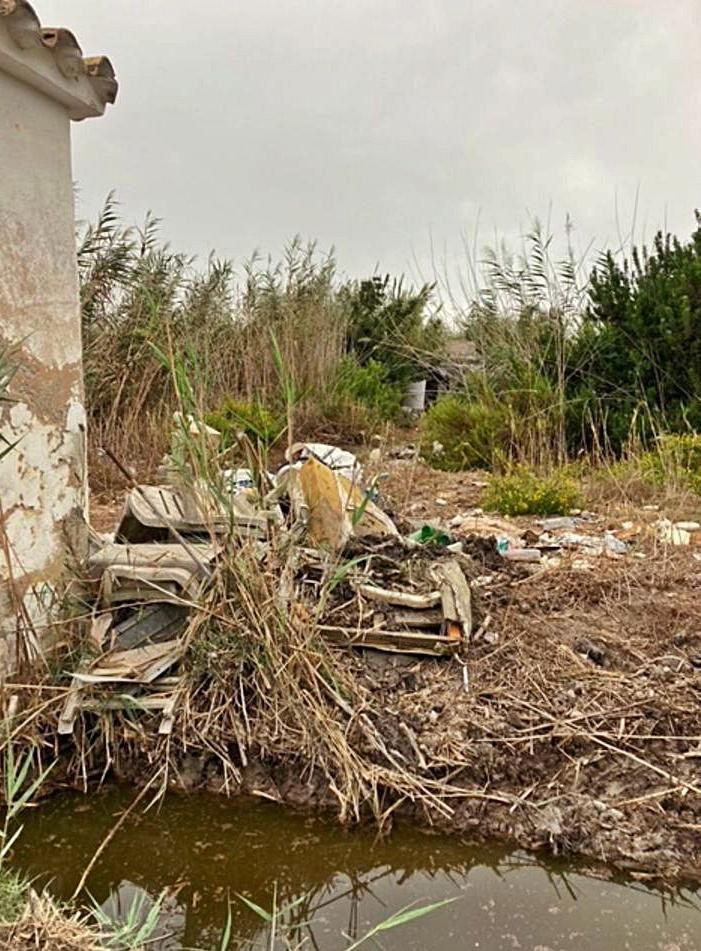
{"points": [[415, 397]]}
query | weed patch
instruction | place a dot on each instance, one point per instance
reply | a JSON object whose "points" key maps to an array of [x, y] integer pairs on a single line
{"points": [[13, 891], [523, 492], [457, 434]]}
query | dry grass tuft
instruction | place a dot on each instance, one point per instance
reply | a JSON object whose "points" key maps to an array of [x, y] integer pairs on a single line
{"points": [[43, 926]]}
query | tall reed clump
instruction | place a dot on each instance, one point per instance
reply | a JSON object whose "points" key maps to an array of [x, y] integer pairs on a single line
{"points": [[522, 318], [136, 292], [349, 347], [522, 314]]}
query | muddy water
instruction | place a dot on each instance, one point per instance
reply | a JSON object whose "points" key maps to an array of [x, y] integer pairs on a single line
{"points": [[202, 850]]}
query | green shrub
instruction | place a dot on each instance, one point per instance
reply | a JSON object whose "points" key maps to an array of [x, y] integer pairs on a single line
{"points": [[639, 343], [254, 420], [13, 892], [457, 435], [523, 492], [676, 459], [371, 386]]}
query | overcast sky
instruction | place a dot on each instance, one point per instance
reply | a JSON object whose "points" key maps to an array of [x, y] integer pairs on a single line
{"points": [[385, 126]]}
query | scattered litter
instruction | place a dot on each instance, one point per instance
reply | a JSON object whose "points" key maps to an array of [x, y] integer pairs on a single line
{"points": [[486, 527], [435, 620], [430, 535], [239, 480], [146, 580], [404, 452], [522, 554], [688, 526], [559, 524], [671, 534], [592, 544]]}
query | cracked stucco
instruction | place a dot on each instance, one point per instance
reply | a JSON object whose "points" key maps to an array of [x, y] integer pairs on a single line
{"points": [[42, 481]]}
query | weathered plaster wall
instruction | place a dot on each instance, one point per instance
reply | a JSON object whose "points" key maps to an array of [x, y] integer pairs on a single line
{"points": [[42, 481]]}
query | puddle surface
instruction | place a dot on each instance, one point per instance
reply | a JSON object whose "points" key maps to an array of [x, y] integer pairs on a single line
{"points": [[203, 849]]}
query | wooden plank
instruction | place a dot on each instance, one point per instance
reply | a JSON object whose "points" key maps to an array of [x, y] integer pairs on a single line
{"points": [[402, 642], [456, 596], [402, 599], [168, 719], [98, 631], [66, 722], [125, 702], [409, 618], [139, 665], [448, 605]]}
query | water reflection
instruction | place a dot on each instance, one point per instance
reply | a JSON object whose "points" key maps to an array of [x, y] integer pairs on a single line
{"points": [[204, 851]]}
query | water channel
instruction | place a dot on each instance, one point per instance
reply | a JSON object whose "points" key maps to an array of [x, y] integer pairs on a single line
{"points": [[205, 851]]}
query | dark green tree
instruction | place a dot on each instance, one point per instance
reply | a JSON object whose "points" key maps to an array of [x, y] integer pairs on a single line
{"points": [[388, 325], [637, 357]]}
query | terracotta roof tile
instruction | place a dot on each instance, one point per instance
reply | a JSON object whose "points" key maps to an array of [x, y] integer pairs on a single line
{"points": [[26, 31], [103, 78]]}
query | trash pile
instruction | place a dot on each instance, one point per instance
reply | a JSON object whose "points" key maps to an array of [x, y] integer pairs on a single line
{"points": [[358, 583]]}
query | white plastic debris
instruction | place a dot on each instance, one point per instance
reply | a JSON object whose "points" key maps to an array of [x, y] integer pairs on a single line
{"points": [[196, 427], [671, 534], [522, 554], [591, 544], [688, 526], [559, 524], [238, 480], [415, 397], [339, 460], [613, 544]]}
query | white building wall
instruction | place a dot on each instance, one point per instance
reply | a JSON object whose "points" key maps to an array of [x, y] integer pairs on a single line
{"points": [[42, 481]]}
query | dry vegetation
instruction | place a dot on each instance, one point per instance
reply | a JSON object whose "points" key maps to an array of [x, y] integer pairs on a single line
{"points": [[43, 926]]}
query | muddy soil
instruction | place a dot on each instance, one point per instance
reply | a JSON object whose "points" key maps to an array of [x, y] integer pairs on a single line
{"points": [[574, 716]]}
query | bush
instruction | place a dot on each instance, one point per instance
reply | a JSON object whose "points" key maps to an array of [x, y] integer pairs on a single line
{"points": [[457, 434], [640, 342], [13, 892], [676, 459], [523, 492], [370, 385], [254, 420]]}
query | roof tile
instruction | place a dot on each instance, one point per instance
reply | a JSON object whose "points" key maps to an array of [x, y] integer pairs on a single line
{"points": [[25, 30]]}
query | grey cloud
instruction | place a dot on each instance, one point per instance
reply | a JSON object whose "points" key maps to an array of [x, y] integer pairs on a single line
{"points": [[377, 125]]}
